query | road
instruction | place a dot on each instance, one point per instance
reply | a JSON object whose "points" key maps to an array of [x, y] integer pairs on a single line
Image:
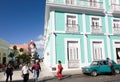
{"points": [[85, 78]]}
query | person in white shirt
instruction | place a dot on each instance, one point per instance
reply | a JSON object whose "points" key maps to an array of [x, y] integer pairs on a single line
{"points": [[25, 72]]}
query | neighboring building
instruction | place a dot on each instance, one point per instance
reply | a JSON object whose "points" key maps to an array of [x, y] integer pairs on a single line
{"points": [[4, 51], [24, 46], [80, 31]]}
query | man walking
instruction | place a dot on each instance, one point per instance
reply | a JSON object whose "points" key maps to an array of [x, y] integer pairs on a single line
{"points": [[36, 70], [111, 66]]}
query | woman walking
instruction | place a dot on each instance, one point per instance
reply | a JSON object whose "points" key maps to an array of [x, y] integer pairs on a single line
{"points": [[9, 72], [25, 72], [59, 72]]}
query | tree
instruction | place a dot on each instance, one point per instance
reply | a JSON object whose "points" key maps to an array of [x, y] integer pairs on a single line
{"points": [[21, 49], [14, 47], [15, 50], [19, 55], [13, 54], [25, 57]]}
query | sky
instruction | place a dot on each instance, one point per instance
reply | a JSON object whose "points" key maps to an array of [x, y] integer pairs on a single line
{"points": [[22, 21]]}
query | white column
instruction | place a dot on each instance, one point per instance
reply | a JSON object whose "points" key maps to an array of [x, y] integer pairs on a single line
{"points": [[53, 39], [85, 39], [108, 36]]}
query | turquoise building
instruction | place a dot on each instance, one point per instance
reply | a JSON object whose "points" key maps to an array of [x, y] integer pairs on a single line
{"points": [[80, 31]]}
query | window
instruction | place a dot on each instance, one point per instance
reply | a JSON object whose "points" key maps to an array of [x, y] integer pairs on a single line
{"points": [[72, 48], [73, 54], [115, 4], [71, 25], [96, 25], [116, 25], [70, 2], [94, 3], [97, 50], [95, 22]]}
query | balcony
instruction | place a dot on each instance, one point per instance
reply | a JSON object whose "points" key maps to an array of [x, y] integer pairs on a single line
{"points": [[96, 29], [115, 8], [77, 6], [116, 30], [72, 28]]}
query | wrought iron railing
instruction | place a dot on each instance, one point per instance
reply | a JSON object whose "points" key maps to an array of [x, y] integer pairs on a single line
{"points": [[115, 7], [72, 28], [79, 3], [96, 29], [116, 30]]}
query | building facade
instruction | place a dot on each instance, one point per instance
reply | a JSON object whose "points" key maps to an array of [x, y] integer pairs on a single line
{"points": [[80, 31], [4, 51]]}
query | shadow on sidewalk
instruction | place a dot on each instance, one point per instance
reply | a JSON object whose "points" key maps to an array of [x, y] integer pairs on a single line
{"points": [[55, 78]]}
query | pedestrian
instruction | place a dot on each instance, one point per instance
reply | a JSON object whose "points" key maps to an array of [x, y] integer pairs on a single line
{"points": [[9, 72], [110, 63], [59, 72], [36, 70], [25, 72]]}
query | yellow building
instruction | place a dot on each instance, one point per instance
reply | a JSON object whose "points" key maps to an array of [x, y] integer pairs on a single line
{"points": [[4, 51]]}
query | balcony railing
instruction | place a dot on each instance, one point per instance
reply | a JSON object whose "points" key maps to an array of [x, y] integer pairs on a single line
{"points": [[116, 30], [96, 29], [79, 3], [72, 28], [115, 7]]}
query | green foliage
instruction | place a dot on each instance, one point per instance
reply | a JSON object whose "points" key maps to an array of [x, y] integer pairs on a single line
{"points": [[15, 53], [11, 55], [21, 49], [14, 47], [25, 57]]}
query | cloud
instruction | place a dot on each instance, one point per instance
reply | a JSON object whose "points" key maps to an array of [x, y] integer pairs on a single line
{"points": [[40, 42], [41, 37]]}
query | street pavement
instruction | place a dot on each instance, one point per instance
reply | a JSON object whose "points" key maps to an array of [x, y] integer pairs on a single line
{"points": [[85, 78], [74, 76]]}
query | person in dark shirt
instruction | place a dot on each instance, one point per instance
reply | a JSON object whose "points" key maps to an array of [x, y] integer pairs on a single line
{"points": [[36, 68], [9, 72]]}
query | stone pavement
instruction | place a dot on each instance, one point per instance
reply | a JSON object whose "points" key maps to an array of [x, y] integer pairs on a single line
{"points": [[45, 73]]}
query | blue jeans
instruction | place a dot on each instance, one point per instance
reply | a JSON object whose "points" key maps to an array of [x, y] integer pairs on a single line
{"points": [[36, 75]]}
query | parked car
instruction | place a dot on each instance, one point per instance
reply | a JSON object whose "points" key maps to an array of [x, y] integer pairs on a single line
{"points": [[100, 67], [1, 67]]}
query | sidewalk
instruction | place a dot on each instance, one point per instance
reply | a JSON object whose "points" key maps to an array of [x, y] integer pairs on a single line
{"points": [[45, 73]]}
